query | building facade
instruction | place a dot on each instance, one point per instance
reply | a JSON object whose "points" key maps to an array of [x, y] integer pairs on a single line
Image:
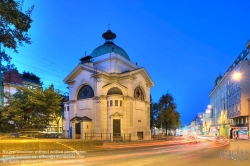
{"points": [[109, 96], [230, 99], [218, 102]]}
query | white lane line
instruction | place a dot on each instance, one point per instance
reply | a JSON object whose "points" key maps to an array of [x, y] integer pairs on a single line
{"points": [[142, 164], [186, 156], [206, 150]]}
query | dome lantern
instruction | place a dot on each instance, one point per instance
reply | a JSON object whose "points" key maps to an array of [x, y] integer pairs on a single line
{"points": [[109, 46], [109, 36]]}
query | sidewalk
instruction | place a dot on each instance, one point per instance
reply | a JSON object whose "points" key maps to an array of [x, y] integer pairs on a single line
{"points": [[165, 139], [240, 140], [130, 142]]}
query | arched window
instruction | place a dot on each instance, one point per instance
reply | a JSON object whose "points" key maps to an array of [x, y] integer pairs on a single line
{"points": [[138, 94], [85, 92], [114, 91]]}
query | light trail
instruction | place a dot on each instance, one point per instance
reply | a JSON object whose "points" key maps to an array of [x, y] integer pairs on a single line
{"points": [[143, 164], [186, 156], [182, 148]]}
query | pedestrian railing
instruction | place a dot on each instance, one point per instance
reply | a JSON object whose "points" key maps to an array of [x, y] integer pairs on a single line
{"points": [[107, 136]]}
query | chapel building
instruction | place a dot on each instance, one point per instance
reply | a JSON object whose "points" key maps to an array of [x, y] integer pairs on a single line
{"points": [[109, 96]]}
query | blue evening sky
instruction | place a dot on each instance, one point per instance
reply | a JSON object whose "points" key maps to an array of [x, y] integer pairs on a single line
{"points": [[184, 45]]}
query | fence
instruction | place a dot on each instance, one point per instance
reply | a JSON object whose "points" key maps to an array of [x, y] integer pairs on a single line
{"points": [[107, 136]]}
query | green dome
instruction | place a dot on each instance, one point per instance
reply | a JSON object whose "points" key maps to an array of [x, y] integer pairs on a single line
{"points": [[109, 46]]}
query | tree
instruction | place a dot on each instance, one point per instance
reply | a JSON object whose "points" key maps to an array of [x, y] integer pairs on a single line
{"points": [[32, 76], [152, 113], [14, 26], [167, 114], [31, 109], [14, 23]]}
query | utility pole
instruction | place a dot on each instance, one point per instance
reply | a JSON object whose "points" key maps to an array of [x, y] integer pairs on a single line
{"points": [[1, 80]]}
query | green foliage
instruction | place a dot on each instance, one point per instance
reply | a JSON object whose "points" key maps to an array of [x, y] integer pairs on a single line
{"points": [[14, 26], [30, 109], [14, 23], [31, 76], [168, 117], [153, 112], [9, 67]]}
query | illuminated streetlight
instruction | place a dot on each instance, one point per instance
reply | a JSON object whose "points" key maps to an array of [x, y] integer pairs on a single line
{"points": [[236, 76]]}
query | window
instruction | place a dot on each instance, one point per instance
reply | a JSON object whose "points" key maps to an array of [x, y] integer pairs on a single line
{"points": [[116, 102], [138, 94], [246, 120], [111, 103], [67, 108], [85, 92], [107, 103], [120, 103]]}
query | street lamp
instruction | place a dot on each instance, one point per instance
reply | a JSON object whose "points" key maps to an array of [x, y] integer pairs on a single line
{"points": [[236, 76]]}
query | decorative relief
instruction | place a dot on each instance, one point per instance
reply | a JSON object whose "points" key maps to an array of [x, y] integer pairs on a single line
{"points": [[83, 81], [116, 114]]}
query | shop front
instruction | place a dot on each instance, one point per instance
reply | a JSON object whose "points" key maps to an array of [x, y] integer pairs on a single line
{"points": [[239, 132], [224, 130], [214, 131]]}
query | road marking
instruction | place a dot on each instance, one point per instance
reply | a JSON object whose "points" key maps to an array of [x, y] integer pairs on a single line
{"points": [[206, 150], [142, 164], [186, 156]]}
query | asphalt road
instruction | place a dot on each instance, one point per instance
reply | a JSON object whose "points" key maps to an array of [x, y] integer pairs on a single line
{"points": [[202, 153]]}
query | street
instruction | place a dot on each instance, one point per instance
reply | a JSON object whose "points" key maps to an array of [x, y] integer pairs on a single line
{"points": [[202, 153], [173, 153]]}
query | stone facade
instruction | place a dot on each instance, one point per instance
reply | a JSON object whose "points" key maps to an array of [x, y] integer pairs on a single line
{"points": [[109, 98]]}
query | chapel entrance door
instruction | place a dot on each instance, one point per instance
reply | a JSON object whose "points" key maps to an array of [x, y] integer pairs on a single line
{"points": [[77, 130], [116, 127]]}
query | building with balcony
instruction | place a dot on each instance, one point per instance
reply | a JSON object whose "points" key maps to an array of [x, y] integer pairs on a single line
{"points": [[109, 96]]}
